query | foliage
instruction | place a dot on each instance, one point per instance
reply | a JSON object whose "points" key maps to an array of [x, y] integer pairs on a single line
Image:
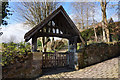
{"points": [[99, 30], [115, 37], [58, 45], [87, 34], [5, 12], [12, 52], [39, 43], [114, 30]]}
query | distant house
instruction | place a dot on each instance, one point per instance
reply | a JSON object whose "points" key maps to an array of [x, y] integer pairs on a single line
{"points": [[110, 20], [100, 23], [113, 26]]}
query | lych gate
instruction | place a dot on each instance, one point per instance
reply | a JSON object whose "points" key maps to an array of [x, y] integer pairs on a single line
{"points": [[57, 24]]}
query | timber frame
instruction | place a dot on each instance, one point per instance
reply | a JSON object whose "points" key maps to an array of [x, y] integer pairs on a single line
{"points": [[57, 24]]}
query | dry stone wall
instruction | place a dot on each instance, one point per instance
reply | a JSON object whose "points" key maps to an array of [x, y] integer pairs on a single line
{"points": [[96, 53], [29, 68]]}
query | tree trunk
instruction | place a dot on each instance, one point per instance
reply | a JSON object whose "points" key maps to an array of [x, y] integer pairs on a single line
{"points": [[95, 34], [104, 37], [103, 18], [93, 11], [82, 16], [104, 21], [108, 35], [106, 27], [87, 18]]}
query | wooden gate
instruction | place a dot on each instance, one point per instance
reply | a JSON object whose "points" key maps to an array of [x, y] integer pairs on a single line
{"points": [[52, 60]]}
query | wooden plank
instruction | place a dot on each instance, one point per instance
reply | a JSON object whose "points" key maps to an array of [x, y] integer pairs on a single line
{"points": [[39, 34]]}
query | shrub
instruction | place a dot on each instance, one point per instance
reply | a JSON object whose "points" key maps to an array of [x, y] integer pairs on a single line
{"points": [[11, 52], [39, 43]]}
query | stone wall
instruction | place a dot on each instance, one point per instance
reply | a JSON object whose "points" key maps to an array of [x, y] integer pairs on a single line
{"points": [[96, 53], [29, 68]]}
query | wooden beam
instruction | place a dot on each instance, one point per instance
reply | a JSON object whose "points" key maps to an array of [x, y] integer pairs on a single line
{"points": [[53, 27], [47, 28], [34, 43], [53, 35], [42, 30]]}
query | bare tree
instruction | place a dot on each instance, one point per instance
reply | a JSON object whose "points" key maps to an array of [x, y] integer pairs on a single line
{"points": [[93, 16], [82, 15], [34, 12], [104, 21], [79, 17]]}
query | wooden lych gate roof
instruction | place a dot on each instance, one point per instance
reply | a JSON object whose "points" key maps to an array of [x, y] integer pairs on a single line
{"points": [[57, 24]]}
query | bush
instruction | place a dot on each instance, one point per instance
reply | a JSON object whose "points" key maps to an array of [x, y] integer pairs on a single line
{"points": [[39, 43], [11, 52], [87, 34]]}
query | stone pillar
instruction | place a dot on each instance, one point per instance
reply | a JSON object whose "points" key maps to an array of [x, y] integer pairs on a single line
{"points": [[72, 52], [75, 44], [34, 44], [68, 45], [75, 53], [70, 57], [37, 64]]}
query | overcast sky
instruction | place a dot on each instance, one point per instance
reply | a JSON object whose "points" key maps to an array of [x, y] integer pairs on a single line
{"points": [[13, 32]]}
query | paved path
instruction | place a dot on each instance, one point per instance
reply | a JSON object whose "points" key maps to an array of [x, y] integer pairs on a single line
{"points": [[106, 69]]}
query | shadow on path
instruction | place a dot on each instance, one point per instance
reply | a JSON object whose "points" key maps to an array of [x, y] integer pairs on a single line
{"points": [[51, 71], [56, 70]]}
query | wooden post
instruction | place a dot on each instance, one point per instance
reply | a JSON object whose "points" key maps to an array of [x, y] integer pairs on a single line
{"points": [[34, 44]]}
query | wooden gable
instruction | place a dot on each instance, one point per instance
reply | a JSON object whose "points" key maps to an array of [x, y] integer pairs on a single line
{"points": [[57, 24]]}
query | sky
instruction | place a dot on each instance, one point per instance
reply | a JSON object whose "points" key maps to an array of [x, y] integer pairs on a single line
{"points": [[15, 30]]}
